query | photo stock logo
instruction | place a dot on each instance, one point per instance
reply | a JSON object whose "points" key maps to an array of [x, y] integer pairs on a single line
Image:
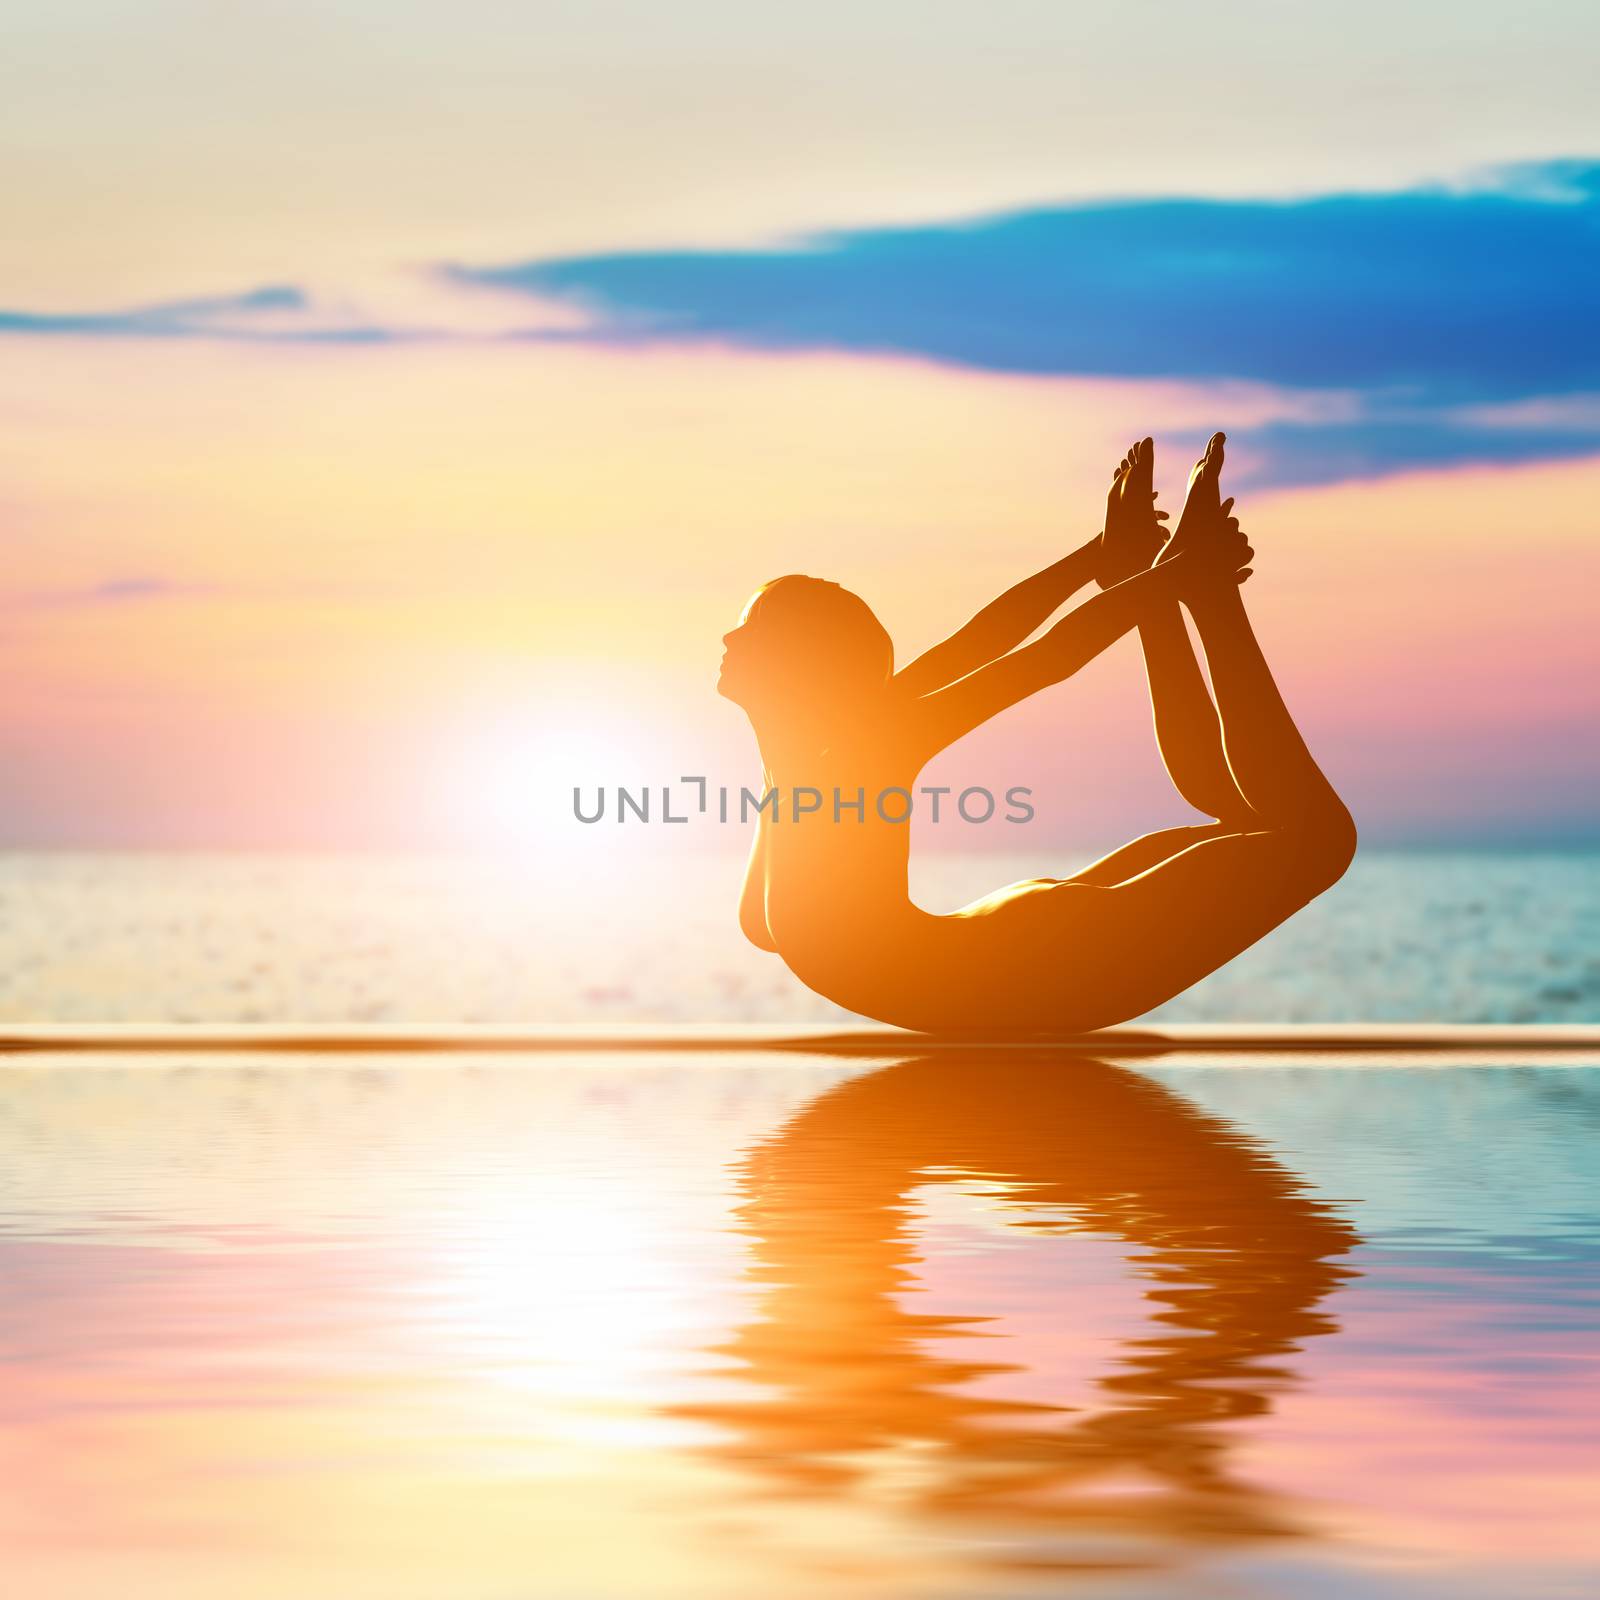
{"points": [[693, 798]]}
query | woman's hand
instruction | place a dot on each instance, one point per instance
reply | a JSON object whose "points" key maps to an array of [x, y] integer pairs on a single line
{"points": [[1208, 530], [1220, 554]]}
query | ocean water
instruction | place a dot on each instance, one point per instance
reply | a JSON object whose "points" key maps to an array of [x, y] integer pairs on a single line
{"points": [[1451, 937], [950, 1327]]}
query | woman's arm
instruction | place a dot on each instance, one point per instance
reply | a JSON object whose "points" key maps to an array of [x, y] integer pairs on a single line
{"points": [[753, 901], [1002, 624], [1072, 643]]}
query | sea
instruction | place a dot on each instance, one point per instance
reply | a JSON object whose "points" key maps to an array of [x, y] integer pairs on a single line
{"points": [[1461, 936]]}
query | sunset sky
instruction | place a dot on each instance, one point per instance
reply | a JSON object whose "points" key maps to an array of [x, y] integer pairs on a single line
{"points": [[397, 403]]}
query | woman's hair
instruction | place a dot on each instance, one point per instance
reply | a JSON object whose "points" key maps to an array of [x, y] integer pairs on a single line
{"points": [[832, 628]]}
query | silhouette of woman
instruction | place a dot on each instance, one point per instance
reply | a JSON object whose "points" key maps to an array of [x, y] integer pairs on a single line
{"points": [[827, 889], [845, 1372]]}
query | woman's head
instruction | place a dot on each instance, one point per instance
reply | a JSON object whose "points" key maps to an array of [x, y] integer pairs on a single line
{"points": [[804, 641]]}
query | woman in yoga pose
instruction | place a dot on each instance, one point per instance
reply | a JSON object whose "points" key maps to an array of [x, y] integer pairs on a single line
{"points": [[827, 889]]}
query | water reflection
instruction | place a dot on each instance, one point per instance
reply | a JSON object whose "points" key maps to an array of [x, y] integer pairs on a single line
{"points": [[398, 1329], [851, 1380]]}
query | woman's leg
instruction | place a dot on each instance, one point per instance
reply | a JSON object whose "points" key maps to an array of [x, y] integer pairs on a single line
{"points": [[1267, 758], [1188, 899], [1266, 755], [1209, 893], [1187, 730], [1157, 934], [1129, 860]]}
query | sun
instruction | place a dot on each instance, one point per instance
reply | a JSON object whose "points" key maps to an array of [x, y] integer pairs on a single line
{"points": [[506, 786]]}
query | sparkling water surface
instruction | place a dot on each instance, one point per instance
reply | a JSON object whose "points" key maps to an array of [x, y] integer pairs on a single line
{"points": [[968, 1325], [652, 935]]}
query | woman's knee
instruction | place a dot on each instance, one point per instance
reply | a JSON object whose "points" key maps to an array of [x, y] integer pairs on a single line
{"points": [[1323, 844]]}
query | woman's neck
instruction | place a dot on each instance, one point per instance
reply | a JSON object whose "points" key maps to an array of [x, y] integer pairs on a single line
{"points": [[793, 737], [787, 748]]}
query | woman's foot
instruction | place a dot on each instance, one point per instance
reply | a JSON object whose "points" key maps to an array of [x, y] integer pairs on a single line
{"points": [[1133, 534], [1207, 522], [1202, 501]]}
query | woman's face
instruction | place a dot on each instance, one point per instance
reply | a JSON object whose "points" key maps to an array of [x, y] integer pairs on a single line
{"points": [[739, 674]]}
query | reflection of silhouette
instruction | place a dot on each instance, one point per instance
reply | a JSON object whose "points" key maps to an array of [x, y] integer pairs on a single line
{"points": [[1236, 1257], [843, 738]]}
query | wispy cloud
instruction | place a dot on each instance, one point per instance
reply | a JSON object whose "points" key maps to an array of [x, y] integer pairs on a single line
{"points": [[1421, 304], [119, 591], [275, 312]]}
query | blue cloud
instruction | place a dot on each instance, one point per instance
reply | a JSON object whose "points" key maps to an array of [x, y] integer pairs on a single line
{"points": [[218, 316], [1418, 302], [1302, 453], [1435, 312]]}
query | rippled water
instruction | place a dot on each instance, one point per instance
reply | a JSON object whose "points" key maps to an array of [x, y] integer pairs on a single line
{"points": [[730, 1325]]}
